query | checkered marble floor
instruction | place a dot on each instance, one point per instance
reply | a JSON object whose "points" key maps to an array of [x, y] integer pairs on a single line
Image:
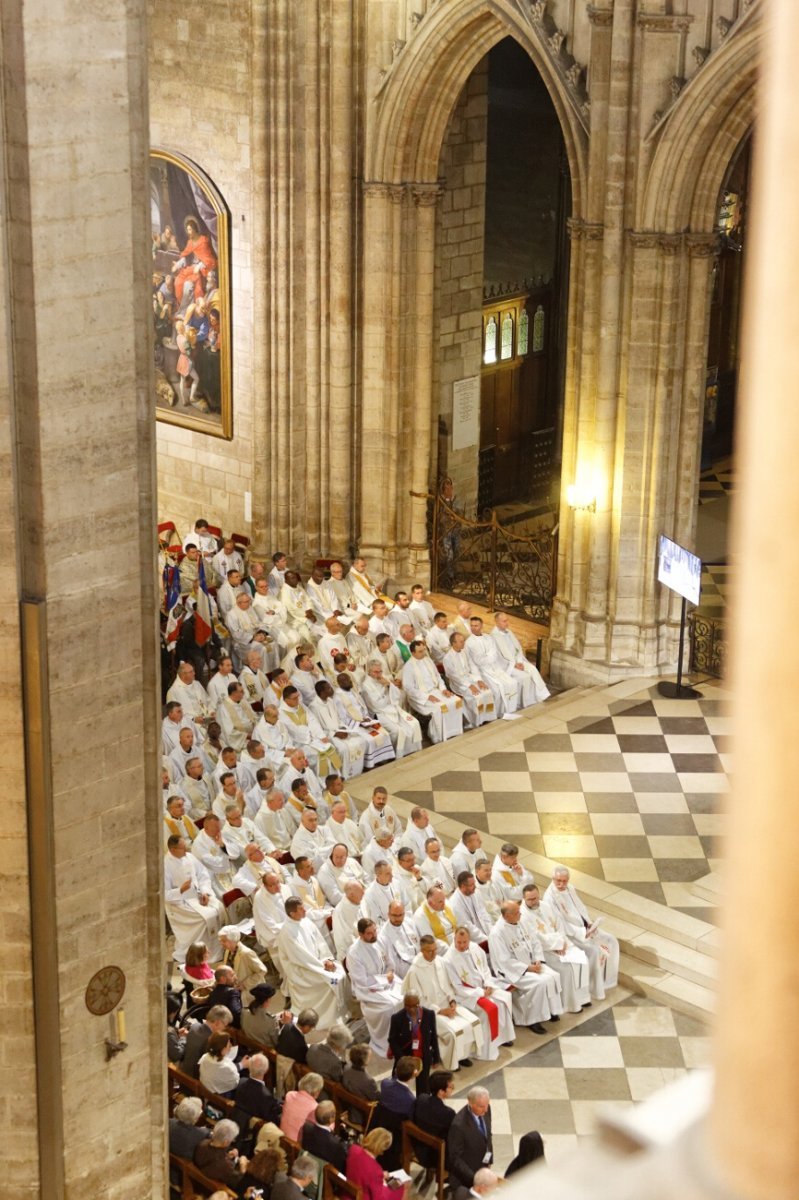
{"points": [[717, 480], [608, 1060], [629, 791], [715, 588]]}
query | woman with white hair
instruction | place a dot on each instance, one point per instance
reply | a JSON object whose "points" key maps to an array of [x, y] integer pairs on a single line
{"points": [[246, 964], [217, 1158], [185, 1134]]}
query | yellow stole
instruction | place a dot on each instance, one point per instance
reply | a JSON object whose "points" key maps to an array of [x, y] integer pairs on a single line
{"points": [[175, 829], [509, 877], [436, 923]]}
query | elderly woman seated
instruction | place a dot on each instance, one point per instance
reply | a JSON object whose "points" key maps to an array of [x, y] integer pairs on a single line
{"points": [[249, 969], [217, 1159], [328, 1057], [299, 1106], [185, 1134]]}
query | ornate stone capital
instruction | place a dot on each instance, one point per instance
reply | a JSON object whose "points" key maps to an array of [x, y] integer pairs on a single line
{"points": [[670, 243], [425, 195], [374, 189], [702, 245], [664, 22], [538, 9], [588, 231], [602, 17], [643, 239]]}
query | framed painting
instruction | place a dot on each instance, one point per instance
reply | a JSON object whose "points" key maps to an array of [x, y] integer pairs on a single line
{"points": [[190, 297]]}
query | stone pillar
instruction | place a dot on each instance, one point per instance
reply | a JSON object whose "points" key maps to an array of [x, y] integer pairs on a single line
{"points": [[76, 436], [755, 1119]]}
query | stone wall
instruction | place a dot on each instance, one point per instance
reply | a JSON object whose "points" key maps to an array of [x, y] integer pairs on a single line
{"points": [[201, 103], [76, 446], [459, 272]]}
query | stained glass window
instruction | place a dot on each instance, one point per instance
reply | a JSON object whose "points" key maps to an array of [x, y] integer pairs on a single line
{"points": [[507, 337], [524, 333], [490, 351], [538, 330]]}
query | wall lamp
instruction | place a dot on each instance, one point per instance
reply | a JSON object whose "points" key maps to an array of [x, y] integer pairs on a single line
{"points": [[580, 498]]}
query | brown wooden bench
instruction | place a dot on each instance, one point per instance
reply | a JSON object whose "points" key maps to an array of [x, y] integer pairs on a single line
{"points": [[414, 1133], [191, 1177], [353, 1111], [180, 1082], [335, 1186]]}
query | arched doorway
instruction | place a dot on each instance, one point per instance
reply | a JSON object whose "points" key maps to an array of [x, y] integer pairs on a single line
{"points": [[501, 289], [402, 198]]}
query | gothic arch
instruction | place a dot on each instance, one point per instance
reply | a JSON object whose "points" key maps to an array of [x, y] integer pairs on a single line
{"points": [[429, 75], [700, 137]]}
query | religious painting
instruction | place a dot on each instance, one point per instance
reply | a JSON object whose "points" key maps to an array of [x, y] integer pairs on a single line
{"points": [[190, 297]]}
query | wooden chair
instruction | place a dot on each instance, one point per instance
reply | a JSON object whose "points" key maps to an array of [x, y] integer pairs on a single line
{"points": [[336, 1186], [413, 1133], [191, 1176], [353, 1111]]}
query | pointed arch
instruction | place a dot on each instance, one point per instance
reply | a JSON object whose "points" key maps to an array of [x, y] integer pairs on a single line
{"points": [[425, 82], [700, 137]]}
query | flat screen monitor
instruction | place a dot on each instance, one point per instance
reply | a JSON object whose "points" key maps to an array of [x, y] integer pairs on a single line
{"points": [[679, 569]]}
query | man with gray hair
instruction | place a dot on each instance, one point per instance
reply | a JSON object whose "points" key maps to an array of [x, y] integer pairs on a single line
{"points": [[184, 1133], [469, 1143], [252, 1097], [302, 1175], [601, 947], [345, 917], [318, 1136], [327, 1057]]}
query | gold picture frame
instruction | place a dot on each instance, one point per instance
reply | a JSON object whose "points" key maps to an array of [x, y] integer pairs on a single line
{"points": [[191, 297]]}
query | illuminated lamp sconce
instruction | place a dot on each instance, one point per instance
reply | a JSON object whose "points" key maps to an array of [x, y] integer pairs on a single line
{"points": [[581, 499]]}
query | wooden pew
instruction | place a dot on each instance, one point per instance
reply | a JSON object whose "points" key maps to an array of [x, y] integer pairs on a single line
{"points": [[179, 1082], [191, 1176], [413, 1133], [352, 1110], [337, 1187]]}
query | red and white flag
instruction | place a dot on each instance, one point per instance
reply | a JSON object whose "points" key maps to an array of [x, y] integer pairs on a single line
{"points": [[203, 623]]}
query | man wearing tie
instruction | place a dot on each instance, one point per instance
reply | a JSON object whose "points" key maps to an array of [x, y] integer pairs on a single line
{"points": [[469, 1145]]}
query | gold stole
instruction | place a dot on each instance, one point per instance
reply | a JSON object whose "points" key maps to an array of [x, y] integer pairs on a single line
{"points": [[239, 720], [508, 877], [437, 925], [297, 715], [174, 827]]}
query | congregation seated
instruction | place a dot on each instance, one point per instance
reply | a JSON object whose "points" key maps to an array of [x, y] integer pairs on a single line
{"points": [[264, 1169], [226, 992], [217, 1068], [216, 1020], [327, 1057], [291, 1039], [365, 1171], [252, 1097]]}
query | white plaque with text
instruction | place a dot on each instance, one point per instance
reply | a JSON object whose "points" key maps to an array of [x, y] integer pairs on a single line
{"points": [[465, 412]]}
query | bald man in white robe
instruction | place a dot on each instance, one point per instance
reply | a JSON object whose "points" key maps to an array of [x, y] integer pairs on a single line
{"points": [[531, 685], [517, 958]]}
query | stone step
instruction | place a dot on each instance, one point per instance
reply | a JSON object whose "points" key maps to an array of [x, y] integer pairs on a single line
{"points": [[685, 995], [708, 888]]}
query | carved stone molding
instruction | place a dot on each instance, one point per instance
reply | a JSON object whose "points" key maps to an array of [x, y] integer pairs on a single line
{"points": [[376, 189], [538, 9], [588, 231], [724, 25], [699, 54], [555, 41], [573, 74], [643, 239], [397, 47], [670, 243], [664, 22], [702, 245], [602, 17], [426, 194], [676, 85]]}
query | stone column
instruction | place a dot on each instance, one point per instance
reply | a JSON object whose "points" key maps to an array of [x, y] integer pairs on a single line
{"points": [[77, 435], [378, 435], [755, 1119], [416, 551]]}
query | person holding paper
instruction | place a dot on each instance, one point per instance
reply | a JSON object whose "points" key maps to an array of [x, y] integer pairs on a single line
{"points": [[570, 962], [602, 948], [476, 989]]}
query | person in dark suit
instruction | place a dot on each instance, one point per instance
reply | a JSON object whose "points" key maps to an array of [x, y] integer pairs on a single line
{"points": [[469, 1145], [226, 991], [216, 1020], [432, 1114], [327, 1058], [318, 1137], [356, 1078], [291, 1041], [293, 1186], [396, 1093], [252, 1097], [412, 1032]]}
